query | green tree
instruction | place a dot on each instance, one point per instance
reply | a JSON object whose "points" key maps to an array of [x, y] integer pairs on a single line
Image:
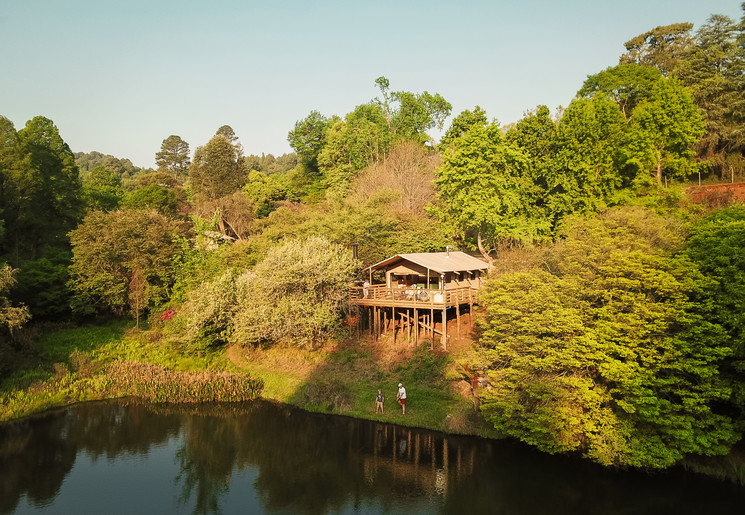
{"points": [[11, 317], [715, 245], [173, 156], [584, 174], [486, 196], [108, 247], [627, 84], [296, 294], [155, 197], [664, 128], [228, 132], [102, 190], [714, 70], [362, 139], [461, 124], [661, 47], [48, 200], [609, 353], [411, 115], [216, 170], [308, 138], [264, 191]]}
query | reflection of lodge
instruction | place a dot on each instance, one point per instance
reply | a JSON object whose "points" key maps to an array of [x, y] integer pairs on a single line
{"points": [[419, 289], [417, 461]]}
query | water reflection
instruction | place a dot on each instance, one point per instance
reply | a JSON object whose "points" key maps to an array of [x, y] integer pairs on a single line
{"points": [[268, 458]]}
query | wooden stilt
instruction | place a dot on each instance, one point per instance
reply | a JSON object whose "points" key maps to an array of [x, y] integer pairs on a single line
{"points": [[457, 317], [445, 329], [408, 325], [432, 326], [416, 326], [393, 316]]}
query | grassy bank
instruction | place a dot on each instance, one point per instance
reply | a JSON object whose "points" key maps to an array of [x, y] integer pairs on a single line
{"points": [[72, 364]]}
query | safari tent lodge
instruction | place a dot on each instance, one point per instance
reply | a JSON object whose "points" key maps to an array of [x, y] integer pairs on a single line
{"points": [[417, 290]]}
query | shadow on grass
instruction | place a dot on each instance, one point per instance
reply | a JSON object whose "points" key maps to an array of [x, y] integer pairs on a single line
{"points": [[348, 380]]}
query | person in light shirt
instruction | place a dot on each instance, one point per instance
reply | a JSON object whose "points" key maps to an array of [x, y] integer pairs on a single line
{"points": [[401, 396]]}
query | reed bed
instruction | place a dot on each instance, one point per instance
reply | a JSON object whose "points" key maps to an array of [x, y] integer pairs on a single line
{"points": [[159, 384]]}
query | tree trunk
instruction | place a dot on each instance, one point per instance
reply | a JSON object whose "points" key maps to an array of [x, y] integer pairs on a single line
{"points": [[659, 168], [483, 251]]}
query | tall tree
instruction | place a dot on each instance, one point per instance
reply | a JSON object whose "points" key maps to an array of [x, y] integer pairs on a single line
{"points": [[411, 115], [108, 249], [661, 47], [584, 174], [716, 245], [49, 188], [173, 156], [627, 84], [216, 170], [664, 128], [714, 69], [461, 124], [308, 138], [486, 196]]}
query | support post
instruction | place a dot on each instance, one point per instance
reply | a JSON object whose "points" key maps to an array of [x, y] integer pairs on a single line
{"points": [[445, 328], [457, 317], [393, 316]]}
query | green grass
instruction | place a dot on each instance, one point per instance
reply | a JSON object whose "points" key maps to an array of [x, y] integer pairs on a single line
{"points": [[71, 362]]}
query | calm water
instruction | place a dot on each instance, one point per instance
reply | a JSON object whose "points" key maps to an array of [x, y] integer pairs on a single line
{"points": [[129, 457]]}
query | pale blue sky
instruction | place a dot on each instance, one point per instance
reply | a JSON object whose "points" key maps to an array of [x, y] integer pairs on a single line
{"points": [[120, 76]]}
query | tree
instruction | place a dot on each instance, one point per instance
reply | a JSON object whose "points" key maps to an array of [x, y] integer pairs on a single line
{"points": [[627, 84], [308, 138], [102, 190], [11, 317], [264, 191], [663, 129], [584, 174], [46, 190], [713, 69], [461, 124], [295, 294], [415, 113], [234, 214], [485, 194], [216, 170], [608, 351], [407, 172], [137, 294], [715, 245], [153, 197], [108, 247], [362, 139], [173, 156], [661, 47], [228, 132]]}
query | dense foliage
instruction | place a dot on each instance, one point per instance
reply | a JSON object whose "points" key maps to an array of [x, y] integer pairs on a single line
{"points": [[608, 350]]}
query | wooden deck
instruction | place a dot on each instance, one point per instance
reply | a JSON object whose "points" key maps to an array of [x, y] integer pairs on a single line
{"points": [[382, 296]]}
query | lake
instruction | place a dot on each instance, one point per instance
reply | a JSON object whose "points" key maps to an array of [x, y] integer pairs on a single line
{"points": [[131, 457]]}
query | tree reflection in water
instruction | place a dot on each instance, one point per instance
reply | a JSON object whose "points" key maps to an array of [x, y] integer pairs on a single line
{"points": [[309, 463]]}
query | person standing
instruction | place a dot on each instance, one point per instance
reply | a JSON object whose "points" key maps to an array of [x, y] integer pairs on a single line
{"points": [[401, 396], [379, 402]]}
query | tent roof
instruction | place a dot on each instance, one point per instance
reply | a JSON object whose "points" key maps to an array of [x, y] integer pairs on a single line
{"points": [[439, 262]]}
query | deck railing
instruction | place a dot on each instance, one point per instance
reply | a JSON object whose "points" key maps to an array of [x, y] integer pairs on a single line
{"points": [[380, 294]]}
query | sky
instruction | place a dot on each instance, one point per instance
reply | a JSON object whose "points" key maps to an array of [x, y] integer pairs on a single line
{"points": [[119, 77]]}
